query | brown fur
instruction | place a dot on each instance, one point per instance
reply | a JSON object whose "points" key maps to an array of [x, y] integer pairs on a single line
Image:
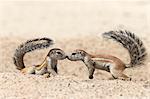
{"points": [[110, 63], [116, 69], [48, 66]]}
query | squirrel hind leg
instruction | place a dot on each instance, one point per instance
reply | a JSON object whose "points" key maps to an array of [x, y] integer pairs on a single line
{"points": [[117, 72], [28, 70], [120, 76], [124, 77]]}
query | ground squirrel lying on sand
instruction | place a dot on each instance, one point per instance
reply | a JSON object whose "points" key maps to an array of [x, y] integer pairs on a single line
{"points": [[110, 63], [49, 65]]}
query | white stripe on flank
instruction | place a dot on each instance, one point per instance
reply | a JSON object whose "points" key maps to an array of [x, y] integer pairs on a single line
{"points": [[99, 59]]}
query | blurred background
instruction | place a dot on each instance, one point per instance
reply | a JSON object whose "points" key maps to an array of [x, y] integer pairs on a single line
{"points": [[69, 18]]}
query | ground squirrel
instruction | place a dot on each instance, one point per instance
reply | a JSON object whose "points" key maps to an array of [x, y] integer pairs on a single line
{"points": [[49, 65], [110, 63]]}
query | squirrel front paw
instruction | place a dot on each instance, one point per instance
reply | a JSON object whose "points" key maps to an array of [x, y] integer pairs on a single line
{"points": [[91, 77], [46, 75]]}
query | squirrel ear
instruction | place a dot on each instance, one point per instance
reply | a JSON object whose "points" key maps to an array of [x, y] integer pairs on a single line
{"points": [[50, 53]]}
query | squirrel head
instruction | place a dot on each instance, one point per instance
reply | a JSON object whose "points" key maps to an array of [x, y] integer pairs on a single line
{"points": [[57, 54], [77, 55]]}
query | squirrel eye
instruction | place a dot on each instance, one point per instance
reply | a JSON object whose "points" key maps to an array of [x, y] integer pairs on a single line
{"points": [[58, 52]]}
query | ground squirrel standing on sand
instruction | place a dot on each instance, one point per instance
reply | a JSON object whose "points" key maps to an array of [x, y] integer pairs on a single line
{"points": [[110, 63], [49, 65]]}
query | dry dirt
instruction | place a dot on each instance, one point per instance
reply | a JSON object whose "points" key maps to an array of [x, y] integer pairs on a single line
{"points": [[72, 81], [77, 30]]}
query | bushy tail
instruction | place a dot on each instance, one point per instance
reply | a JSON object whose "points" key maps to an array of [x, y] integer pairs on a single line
{"points": [[132, 43], [28, 46]]}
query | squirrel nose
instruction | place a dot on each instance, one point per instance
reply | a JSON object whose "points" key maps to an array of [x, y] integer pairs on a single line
{"points": [[67, 56]]}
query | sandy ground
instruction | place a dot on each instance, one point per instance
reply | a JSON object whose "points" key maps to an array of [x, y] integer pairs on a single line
{"points": [[73, 25]]}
